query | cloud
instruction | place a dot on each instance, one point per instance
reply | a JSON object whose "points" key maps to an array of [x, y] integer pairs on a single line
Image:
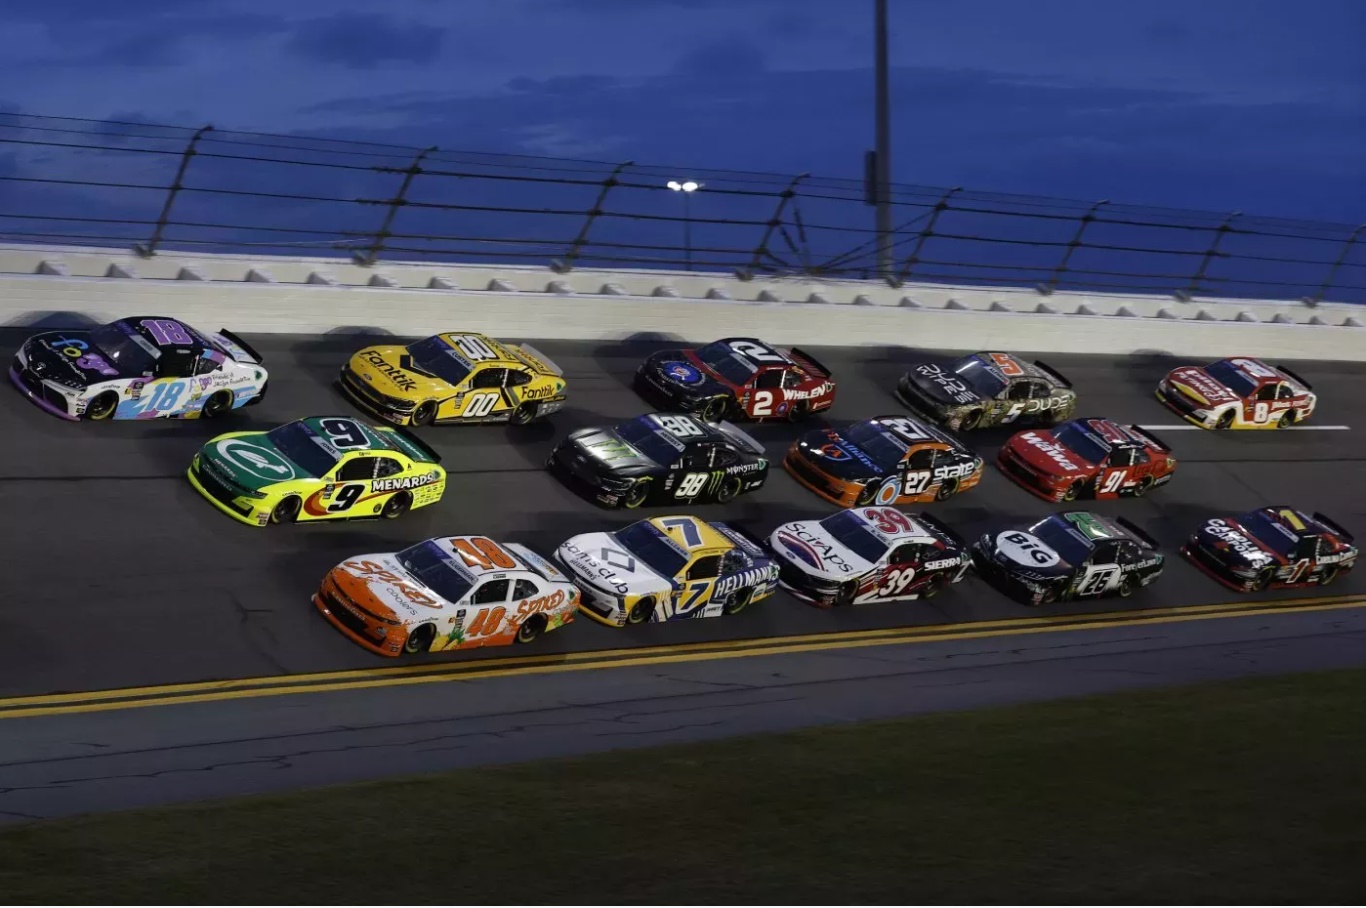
{"points": [[366, 41], [731, 58]]}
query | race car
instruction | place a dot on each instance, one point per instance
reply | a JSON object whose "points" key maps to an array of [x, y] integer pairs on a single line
{"points": [[884, 460], [1070, 555], [868, 555], [987, 389], [737, 376], [660, 458], [1271, 548], [1238, 393], [667, 569], [139, 368], [319, 468], [1087, 458], [454, 378], [443, 594]]}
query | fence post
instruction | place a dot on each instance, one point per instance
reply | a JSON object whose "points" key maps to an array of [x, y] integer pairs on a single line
{"points": [[1333, 271], [565, 265], [149, 249], [371, 256], [747, 274], [925, 233], [1086, 219], [1188, 294]]}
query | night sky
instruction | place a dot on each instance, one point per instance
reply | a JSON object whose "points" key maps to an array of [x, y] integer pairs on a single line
{"points": [[1252, 104]]}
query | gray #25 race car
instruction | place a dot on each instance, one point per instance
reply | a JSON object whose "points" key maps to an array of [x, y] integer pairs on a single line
{"points": [[1072, 555], [987, 389], [660, 458]]}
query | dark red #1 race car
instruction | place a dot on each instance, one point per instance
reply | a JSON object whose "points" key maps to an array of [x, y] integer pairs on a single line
{"points": [[1272, 547], [734, 376], [1087, 458]]}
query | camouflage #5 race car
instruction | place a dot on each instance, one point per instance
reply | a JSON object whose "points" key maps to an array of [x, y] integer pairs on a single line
{"points": [[320, 468], [886, 460], [1271, 548], [138, 368], [987, 389], [667, 569], [660, 458], [446, 594], [1068, 556], [868, 555], [1238, 393], [454, 378], [737, 376], [1090, 458]]}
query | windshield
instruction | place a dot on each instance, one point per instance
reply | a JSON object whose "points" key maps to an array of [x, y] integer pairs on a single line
{"points": [[296, 441], [428, 563], [721, 359], [651, 546], [1074, 439], [1269, 532], [979, 376], [640, 433], [850, 531], [1062, 537], [437, 357], [116, 342], [1227, 375], [877, 443]]}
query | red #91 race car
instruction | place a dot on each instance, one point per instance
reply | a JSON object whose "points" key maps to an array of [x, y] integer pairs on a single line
{"points": [[736, 376], [1087, 458]]}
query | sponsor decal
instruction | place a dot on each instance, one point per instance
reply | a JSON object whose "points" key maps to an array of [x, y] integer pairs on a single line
{"points": [[752, 577], [955, 471], [952, 385], [262, 463], [941, 563], [396, 483], [540, 393], [819, 391], [1052, 450], [1024, 548], [591, 567], [1235, 540], [394, 373], [683, 373], [831, 452], [814, 550]]}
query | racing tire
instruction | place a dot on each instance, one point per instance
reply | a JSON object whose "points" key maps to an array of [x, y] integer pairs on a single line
{"points": [[1287, 420], [525, 413], [1225, 420], [946, 490], [1264, 579], [219, 402], [1127, 586], [637, 495], [1073, 491], [103, 406], [736, 603], [934, 587], [845, 595], [396, 506], [1144, 487], [420, 640], [867, 496], [799, 412], [714, 410], [641, 611], [287, 511], [530, 629], [730, 487], [1328, 576], [971, 420], [424, 414]]}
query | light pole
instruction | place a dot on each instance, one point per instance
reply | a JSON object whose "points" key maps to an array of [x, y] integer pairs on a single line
{"points": [[687, 187], [882, 159]]}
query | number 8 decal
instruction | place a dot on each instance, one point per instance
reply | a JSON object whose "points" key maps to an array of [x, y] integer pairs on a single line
{"points": [[1261, 411]]}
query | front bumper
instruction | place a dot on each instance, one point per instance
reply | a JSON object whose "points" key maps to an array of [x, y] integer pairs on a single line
{"points": [[801, 585], [390, 409], [358, 625], [589, 487], [223, 498], [998, 576], [1214, 568], [911, 399], [1028, 478], [33, 388], [836, 491], [664, 396], [1183, 406]]}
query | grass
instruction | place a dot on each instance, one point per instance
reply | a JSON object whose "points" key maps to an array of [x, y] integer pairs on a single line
{"points": [[1250, 792]]}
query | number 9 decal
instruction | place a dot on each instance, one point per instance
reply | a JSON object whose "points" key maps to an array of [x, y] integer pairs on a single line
{"points": [[345, 498]]}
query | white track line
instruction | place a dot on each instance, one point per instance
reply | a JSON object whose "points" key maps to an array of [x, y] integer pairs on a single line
{"points": [[1185, 426]]}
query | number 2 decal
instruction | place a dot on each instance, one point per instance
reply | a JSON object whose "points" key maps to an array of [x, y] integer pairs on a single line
{"points": [[763, 403], [756, 351]]}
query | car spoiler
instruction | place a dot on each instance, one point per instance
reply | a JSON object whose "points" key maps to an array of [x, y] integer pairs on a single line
{"points": [[1141, 534], [942, 528], [1334, 526], [1062, 379], [820, 367], [735, 433], [419, 444], [251, 351], [1149, 436], [538, 360], [1296, 377]]}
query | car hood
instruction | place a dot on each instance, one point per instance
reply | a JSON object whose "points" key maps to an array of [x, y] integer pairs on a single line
{"points": [[391, 371], [380, 583], [1015, 553], [1234, 543], [837, 456], [86, 369], [807, 545], [1043, 452], [249, 460], [607, 450], [1201, 386], [682, 370], [598, 559], [938, 382]]}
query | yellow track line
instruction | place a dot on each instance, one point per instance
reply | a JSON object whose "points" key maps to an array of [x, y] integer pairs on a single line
{"points": [[202, 692]]}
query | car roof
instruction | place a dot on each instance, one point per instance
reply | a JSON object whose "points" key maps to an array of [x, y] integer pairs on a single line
{"points": [[914, 531], [761, 346], [1295, 521], [480, 556], [156, 330], [500, 355], [915, 432], [681, 427], [375, 441], [1089, 527], [680, 529]]}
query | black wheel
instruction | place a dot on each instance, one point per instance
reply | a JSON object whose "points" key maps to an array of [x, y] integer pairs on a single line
{"points": [[931, 589], [425, 413], [714, 410], [287, 511], [730, 487], [637, 495], [103, 406], [1264, 579], [867, 496], [1072, 491], [218, 404], [946, 490], [970, 421], [1225, 420], [1143, 487], [1328, 576], [524, 413], [641, 611], [798, 412], [397, 506], [737, 602], [845, 595], [1128, 586], [420, 640], [1287, 419], [531, 628]]}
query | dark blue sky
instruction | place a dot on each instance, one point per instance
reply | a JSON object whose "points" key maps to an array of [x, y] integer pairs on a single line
{"points": [[1251, 104]]}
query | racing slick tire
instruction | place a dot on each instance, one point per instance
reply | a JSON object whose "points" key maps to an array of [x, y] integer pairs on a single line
{"points": [[1128, 586], [934, 587], [714, 410], [525, 413], [845, 595], [1073, 491], [730, 487], [420, 640], [396, 506], [641, 611], [287, 511], [946, 490], [103, 406], [736, 602], [637, 494], [1264, 579], [530, 629], [1287, 420], [1328, 576], [424, 413], [1225, 420], [799, 412], [1144, 487], [219, 402], [868, 495], [971, 420]]}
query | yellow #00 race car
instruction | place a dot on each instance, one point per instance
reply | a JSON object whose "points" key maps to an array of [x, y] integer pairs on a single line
{"points": [[450, 378], [319, 468]]}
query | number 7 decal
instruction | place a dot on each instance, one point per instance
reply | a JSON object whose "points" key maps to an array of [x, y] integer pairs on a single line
{"points": [[695, 593], [692, 536]]}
